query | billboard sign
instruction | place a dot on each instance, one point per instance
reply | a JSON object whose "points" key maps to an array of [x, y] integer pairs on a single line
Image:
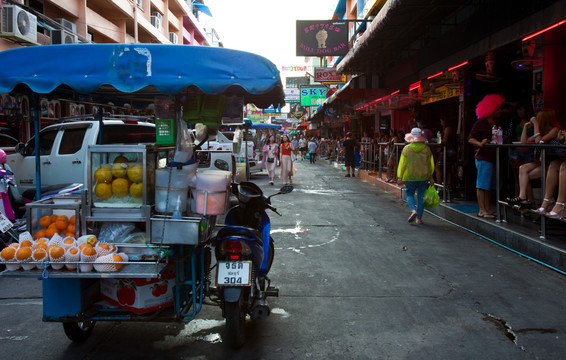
{"points": [[322, 38], [328, 75], [292, 96], [312, 95]]}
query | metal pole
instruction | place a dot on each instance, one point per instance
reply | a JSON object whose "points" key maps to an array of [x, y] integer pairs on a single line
{"points": [[35, 98]]}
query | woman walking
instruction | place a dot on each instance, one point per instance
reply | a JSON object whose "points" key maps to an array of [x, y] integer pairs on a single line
{"points": [[271, 157], [416, 167], [286, 161]]}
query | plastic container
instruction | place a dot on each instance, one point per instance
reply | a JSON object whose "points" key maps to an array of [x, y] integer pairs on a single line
{"points": [[172, 186], [212, 188]]}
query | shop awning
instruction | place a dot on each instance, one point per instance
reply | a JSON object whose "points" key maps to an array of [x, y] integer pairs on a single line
{"points": [[202, 8], [303, 125], [142, 69]]}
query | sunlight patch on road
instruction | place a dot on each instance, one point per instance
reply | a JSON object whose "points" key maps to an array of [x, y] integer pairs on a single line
{"points": [[281, 312]]}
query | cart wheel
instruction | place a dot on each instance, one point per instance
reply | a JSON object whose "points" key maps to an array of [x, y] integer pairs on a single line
{"points": [[235, 323], [78, 331]]}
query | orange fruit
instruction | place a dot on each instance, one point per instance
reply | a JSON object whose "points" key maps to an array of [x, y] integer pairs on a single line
{"points": [[54, 217], [107, 246], [51, 230], [40, 241], [39, 254], [82, 246], [119, 169], [73, 250], [62, 222], [88, 250], [15, 245], [120, 187], [44, 221], [23, 253], [41, 246], [56, 252], [103, 190], [25, 243], [67, 234], [136, 190], [117, 258], [71, 228], [68, 241], [40, 234], [8, 253], [72, 220], [103, 174]]}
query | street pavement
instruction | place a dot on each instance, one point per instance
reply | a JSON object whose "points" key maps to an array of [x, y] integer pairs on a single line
{"points": [[356, 282]]}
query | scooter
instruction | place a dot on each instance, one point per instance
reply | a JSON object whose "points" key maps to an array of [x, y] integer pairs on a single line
{"points": [[244, 253], [7, 233]]}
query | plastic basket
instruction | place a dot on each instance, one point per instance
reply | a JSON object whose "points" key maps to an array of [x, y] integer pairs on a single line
{"points": [[164, 131]]}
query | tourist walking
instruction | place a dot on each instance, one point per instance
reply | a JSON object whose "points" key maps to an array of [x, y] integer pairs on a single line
{"points": [[312, 150], [416, 166], [271, 157], [303, 146], [286, 161], [349, 146]]}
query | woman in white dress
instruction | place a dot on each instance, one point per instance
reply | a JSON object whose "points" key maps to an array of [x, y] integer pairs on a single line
{"points": [[271, 157]]}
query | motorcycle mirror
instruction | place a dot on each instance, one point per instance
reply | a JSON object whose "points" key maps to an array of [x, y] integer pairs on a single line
{"points": [[286, 189]]}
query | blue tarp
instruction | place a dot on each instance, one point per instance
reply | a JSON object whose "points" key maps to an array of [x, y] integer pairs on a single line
{"points": [[147, 68]]}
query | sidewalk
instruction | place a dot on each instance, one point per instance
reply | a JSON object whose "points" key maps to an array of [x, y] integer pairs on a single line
{"points": [[519, 234]]}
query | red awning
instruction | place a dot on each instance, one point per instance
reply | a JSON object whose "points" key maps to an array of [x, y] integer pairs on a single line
{"points": [[303, 125]]}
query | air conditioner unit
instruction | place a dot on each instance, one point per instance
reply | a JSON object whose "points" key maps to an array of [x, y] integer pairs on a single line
{"points": [[156, 19], [18, 24], [173, 37], [67, 25], [63, 37]]}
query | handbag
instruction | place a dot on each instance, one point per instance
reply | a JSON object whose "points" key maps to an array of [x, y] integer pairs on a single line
{"points": [[270, 160], [431, 198]]}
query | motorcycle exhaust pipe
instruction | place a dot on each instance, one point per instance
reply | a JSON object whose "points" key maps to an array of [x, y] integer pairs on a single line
{"points": [[260, 309]]}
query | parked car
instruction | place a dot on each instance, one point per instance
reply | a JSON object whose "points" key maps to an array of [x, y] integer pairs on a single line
{"points": [[8, 143], [63, 151]]}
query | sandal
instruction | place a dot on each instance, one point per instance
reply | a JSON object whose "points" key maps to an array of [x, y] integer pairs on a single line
{"points": [[412, 217], [515, 201], [545, 209], [557, 215], [487, 216]]}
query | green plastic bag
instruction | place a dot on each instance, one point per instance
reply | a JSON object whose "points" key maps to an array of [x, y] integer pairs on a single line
{"points": [[431, 198], [308, 156]]}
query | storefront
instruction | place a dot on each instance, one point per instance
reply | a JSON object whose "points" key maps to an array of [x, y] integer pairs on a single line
{"points": [[443, 62]]}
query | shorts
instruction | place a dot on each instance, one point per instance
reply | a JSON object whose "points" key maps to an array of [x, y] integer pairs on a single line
{"points": [[524, 156], [350, 161], [486, 175], [304, 148]]}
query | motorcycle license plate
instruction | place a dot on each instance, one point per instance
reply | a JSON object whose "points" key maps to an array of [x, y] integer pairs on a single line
{"points": [[234, 273]]}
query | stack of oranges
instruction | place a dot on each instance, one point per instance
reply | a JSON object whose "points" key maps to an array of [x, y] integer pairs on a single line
{"points": [[56, 224]]}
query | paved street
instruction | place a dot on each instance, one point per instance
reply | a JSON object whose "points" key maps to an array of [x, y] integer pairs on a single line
{"points": [[356, 282]]}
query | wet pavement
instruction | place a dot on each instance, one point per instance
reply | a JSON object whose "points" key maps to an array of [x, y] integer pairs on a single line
{"points": [[356, 282]]}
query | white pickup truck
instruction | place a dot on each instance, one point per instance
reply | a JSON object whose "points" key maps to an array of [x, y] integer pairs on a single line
{"points": [[63, 151]]}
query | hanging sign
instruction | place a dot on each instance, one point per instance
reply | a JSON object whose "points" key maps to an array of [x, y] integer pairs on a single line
{"points": [[322, 38], [312, 95], [328, 75]]}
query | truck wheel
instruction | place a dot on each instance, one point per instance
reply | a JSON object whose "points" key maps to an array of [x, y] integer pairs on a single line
{"points": [[78, 331], [235, 323]]}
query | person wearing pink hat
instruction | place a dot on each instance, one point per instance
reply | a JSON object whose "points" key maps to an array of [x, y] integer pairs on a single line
{"points": [[488, 111], [416, 166]]}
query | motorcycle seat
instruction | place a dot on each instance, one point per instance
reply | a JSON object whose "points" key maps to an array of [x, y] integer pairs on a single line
{"points": [[240, 231]]}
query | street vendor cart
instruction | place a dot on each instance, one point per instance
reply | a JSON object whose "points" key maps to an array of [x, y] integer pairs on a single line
{"points": [[148, 254]]}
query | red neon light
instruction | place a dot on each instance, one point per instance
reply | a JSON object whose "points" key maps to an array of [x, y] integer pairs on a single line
{"points": [[414, 86], [395, 92], [435, 75], [457, 66], [544, 30]]}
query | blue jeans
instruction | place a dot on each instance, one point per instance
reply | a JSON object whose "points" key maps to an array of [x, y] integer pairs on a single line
{"points": [[420, 187]]}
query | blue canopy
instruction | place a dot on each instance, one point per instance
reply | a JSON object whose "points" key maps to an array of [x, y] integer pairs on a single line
{"points": [[265, 126], [146, 69]]}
